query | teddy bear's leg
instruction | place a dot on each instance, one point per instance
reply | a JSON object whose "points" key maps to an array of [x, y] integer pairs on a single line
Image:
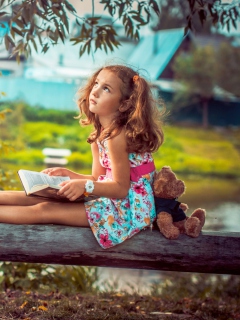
{"points": [[195, 222], [166, 227], [193, 227], [200, 214]]}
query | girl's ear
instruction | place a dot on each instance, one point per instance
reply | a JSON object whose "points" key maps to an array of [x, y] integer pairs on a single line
{"points": [[125, 105]]}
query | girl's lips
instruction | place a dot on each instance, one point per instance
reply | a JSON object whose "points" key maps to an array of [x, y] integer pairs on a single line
{"points": [[93, 101]]}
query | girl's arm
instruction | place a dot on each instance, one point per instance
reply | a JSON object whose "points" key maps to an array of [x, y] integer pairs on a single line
{"points": [[118, 188], [97, 168]]}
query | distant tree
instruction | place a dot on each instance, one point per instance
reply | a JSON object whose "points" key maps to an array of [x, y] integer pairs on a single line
{"points": [[48, 22], [174, 14], [196, 75], [228, 68], [219, 13]]}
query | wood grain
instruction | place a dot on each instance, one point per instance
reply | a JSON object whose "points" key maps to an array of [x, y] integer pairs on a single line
{"points": [[211, 252]]}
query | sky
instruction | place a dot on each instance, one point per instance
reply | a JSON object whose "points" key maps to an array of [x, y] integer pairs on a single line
{"points": [[85, 6]]}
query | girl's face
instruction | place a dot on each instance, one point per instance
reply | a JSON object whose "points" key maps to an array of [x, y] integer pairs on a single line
{"points": [[105, 96]]}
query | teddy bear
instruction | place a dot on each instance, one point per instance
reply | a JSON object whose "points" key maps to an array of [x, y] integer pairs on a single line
{"points": [[171, 217]]}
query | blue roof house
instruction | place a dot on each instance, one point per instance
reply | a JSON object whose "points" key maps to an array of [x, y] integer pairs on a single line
{"points": [[155, 52], [52, 79]]}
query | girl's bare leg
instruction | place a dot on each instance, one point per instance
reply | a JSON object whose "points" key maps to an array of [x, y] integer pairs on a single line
{"points": [[18, 198], [38, 211]]}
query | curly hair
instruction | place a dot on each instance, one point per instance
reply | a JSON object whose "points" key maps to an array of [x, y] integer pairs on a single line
{"points": [[138, 113]]}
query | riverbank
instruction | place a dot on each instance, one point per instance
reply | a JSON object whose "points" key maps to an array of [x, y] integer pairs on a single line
{"points": [[198, 151], [189, 151]]}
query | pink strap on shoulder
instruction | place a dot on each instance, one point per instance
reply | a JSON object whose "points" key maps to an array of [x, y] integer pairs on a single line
{"points": [[136, 172]]}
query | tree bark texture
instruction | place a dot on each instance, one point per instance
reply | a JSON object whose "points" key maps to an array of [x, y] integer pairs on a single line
{"points": [[211, 252]]}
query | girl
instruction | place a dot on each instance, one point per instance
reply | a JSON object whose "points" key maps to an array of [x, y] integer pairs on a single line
{"points": [[119, 103]]}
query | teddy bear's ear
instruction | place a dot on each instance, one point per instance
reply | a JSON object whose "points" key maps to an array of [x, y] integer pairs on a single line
{"points": [[166, 167], [179, 188]]}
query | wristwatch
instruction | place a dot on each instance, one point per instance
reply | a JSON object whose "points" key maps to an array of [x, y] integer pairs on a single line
{"points": [[89, 187]]}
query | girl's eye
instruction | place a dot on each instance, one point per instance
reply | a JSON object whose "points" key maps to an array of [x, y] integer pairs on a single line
{"points": [[106, 89], [95, 84]]}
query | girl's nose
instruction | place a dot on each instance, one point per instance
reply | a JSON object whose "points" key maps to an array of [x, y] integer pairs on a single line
{"points": [[95, 92]]}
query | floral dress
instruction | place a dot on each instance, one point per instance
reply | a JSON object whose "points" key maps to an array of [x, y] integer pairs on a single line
{"points": [[115, 220]]}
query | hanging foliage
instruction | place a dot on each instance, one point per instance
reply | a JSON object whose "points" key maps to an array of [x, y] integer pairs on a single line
{"points": [[35, 24]]}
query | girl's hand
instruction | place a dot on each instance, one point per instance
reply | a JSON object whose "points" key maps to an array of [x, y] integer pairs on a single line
{"points": [[72, 189], [56, 171]]}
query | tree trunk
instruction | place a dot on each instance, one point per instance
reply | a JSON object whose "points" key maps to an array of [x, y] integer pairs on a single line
{"points": [[205, 113], [211, 252]]}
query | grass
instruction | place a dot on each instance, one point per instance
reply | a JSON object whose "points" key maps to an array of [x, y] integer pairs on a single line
{"points": [[188, 150], [198, 151], [211, 152]]}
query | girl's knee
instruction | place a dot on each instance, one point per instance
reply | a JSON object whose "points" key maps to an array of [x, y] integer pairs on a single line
{"points": [[57, 213], [42, 212]]}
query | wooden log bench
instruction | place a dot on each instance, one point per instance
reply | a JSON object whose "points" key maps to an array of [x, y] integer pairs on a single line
{"points": [[212, 252], [56, 157]]}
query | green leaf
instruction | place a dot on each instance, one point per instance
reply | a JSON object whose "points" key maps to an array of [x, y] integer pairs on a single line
{"points": [[19, 23], [26, 15], [228, 25], [139, 19], [154, 5], [89, 48], [234, 24], [10, 40], [69, 6], [17, 31], [6, 40], [18, 57], [45, 48], [108, 43], [3, 13], [65, 22], [61, 35], [78, 23], [53, 36], [41, 14], [121, 9], [34, 44], [105, 47], [137, 35], [39, 39], [93, 20]]}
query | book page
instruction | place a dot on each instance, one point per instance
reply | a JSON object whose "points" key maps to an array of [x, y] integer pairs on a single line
{"points": [[38, 178]]}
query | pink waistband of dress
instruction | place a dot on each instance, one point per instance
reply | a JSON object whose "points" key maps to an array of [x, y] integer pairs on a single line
{"points": [[136, 172]]}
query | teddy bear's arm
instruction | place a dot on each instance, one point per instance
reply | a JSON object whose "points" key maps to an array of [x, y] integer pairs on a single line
{"points": [[183, 206]]}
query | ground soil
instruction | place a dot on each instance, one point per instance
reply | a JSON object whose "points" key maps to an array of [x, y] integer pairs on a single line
{"points": [[55, 305]]}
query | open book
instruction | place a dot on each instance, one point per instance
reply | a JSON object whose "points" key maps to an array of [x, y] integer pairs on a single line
{"points": [[42, 185]]}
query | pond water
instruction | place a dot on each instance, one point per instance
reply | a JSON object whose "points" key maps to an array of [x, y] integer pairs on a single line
{"points": [[220, 198]]}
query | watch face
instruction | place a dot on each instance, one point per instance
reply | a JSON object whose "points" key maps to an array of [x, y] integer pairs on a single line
{"points": [[89, 186]]}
